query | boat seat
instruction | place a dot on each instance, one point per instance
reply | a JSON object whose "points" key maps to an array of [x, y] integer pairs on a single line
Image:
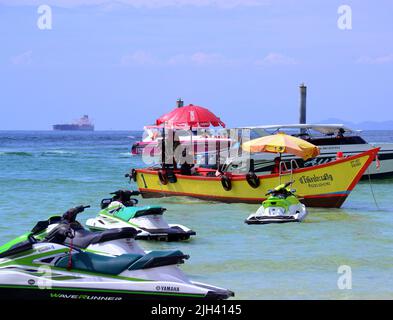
{"points": [[83, 238], [158, 259], [92, 262], [128, 213]]}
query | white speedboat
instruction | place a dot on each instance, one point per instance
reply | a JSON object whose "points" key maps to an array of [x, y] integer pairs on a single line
{"points": [[332, 139]]}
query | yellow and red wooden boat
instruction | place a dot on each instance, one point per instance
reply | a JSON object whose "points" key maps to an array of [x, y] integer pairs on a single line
{"points": [[325, 185]]}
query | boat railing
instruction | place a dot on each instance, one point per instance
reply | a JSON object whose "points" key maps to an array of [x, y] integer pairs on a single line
{"points": [[283, 167], [287, 171], [294, 164]]}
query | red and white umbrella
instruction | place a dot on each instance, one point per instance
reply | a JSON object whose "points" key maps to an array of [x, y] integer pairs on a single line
{"points": [[190, 116]]}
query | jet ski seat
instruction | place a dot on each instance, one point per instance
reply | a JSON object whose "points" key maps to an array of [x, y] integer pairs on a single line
{"points": [[83, 238], [128, 213], [92, 262], [159, 259]]}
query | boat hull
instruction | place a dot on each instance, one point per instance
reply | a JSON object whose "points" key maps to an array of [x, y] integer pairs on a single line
{"points": [[325, 185], [72, 127]]}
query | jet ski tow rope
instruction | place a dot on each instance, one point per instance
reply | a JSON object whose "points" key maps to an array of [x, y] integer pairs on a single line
{"points": [[71, 236]]}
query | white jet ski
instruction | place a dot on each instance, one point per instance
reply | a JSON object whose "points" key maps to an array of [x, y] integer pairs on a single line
{"points": [[121, 211]]}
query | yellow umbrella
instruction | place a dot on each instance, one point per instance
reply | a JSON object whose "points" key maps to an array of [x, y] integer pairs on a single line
{"points": [[282, 143]]}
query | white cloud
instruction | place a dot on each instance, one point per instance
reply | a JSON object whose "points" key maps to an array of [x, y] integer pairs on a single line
{"points": [[207, 58], [199, 58], [143, 3], [275, 58], [376, 60], [24, 58], [138, 58]]}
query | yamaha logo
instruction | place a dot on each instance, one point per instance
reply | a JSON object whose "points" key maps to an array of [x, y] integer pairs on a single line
{"points": [[167, 288], [31, 282]]}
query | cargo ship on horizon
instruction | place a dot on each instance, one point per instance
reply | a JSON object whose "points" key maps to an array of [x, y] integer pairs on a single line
{"points": [[83, 124]]}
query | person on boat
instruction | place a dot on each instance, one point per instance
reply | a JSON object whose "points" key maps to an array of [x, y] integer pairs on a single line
{"points": [[276, 167], [176, 144], [340, 133]]}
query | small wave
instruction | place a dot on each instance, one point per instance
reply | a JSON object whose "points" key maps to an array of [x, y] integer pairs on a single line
{"points": [[16, 153], [125, 154], [61, 153], [60, 182]]}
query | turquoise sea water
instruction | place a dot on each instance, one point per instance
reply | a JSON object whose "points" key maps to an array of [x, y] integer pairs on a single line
{"points": [[45, 173]]}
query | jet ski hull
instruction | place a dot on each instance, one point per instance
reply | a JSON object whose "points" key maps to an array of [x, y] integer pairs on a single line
{"points": [[267, 220], [262, 216], [26, 292], [27, 283], [171, 232]]}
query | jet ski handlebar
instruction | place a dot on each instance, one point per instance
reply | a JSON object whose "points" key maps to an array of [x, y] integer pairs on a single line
{"points": [[288, 184], [126, 193], [279, 189], [124, 196], [70, 214]]}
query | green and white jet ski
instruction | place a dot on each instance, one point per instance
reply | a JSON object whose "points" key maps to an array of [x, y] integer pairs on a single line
{"points": [[121, 211], [281, 206], [114, 242], [50, 269]]}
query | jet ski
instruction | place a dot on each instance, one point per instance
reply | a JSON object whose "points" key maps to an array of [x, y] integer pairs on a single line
{"points": [[50, 269], [114, 241], [122, 211], [281, 206]]}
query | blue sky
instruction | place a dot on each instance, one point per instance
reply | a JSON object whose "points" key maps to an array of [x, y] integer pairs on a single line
{"points": [[126, 62]]}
